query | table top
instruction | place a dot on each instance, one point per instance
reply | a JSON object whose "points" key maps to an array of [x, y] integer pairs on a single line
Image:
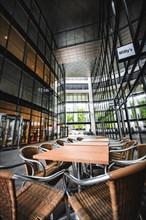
{"points": [[88, 143], [80, 154], [96, 140]]}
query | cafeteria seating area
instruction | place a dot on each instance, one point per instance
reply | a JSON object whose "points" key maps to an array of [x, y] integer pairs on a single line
{"points": [[85, 173], [73, 110]]}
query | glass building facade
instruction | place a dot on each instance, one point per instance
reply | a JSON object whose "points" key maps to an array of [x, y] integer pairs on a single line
{"points": [[38, 102], [119, 85], [32, 84]]}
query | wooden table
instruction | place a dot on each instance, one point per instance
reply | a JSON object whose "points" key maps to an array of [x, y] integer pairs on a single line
{"points": [[88, 143], [96, 140], [78, 154], [99, 154]]}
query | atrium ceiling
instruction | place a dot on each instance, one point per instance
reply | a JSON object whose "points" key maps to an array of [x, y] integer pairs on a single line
{"points": [[74, 24]]}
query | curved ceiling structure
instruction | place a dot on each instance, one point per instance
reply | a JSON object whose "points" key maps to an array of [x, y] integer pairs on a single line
{"points": [[74, 25]]}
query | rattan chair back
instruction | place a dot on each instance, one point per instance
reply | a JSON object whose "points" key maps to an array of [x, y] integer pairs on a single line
{"points": [[117, 199], [60, 142], [126, 155], [8, 208], [28, 152], [70, 140], [33, 201], [46, 146], [79, 138], [141, 150], [126, 186], [129, 153]]}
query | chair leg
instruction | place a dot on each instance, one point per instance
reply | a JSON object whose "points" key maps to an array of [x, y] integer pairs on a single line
{"points": [[51, 216], [74, 168], [67, 210]]}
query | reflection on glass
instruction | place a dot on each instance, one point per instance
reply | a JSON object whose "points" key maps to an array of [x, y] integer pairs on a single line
{"points": [[4, 28], [39, 67], [16, 44], [30, 57]]}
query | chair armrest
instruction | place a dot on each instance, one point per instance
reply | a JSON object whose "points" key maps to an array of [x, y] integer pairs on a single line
{"points": [[17, 165], [37, 178], [115, 145], [89, 181], [122, 150], [128, 162], [43, 149]]}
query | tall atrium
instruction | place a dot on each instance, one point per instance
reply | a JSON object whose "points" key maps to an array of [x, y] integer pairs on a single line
{"points": [[70, 67]]}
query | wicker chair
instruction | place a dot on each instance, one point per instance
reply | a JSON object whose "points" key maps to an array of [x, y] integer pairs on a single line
{"points": [[79, 138], [61, 165], [141, 150], [125, 152], [26, 153], [70, 140], [141, 155], [60, 142], [35, 200], [113, 196]]}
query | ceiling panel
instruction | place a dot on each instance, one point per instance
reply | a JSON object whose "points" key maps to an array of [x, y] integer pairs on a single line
{"points": [[74, 24]]}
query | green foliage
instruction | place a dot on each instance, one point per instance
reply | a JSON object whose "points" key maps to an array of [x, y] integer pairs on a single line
{"points": [[79, 127], [142, 109], [70, 118], [142, 102], [81, 117]]}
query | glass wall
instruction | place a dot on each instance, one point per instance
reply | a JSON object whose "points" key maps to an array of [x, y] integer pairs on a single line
{"points": [[119, 86], [29, 71]]}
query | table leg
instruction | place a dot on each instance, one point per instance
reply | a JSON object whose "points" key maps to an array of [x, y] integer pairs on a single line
{"points": [[79, 175]]}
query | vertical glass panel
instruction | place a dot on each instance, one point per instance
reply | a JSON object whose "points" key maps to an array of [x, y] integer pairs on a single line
{"points": [[35, 127], [41, 45], [35, 11], [47, 75], [44, 127], [52, 62], [30, 57], [10, 78], [48, 54], [71, 37], [4, 28], [52, 81], [27, 3], [37, 93], [27, 87], [45, 98], [48, 36], [43, 25], [20, 16], [16, 44], [39, 67], [32, 32], [1, 58], [79, 35], [8, 5]]}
